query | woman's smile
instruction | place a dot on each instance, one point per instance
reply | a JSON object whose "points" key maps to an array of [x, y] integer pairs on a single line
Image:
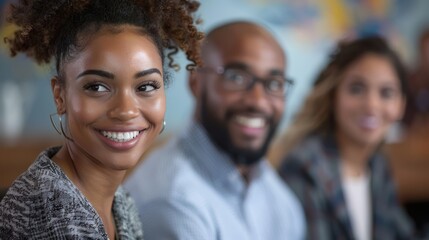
{"points": [[120, 140]]}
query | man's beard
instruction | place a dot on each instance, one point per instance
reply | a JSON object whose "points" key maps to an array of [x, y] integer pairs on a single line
{"points": [[220, 136]]}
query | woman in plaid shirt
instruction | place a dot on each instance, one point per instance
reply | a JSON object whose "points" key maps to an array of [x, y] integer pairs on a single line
{"points": [[330, 156]]}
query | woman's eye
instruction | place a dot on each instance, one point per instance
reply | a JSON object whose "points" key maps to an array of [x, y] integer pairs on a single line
{"points": [[387, 93], [96, 88], [356, 89], [149, 87]]}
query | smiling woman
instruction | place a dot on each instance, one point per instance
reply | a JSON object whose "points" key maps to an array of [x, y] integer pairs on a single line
{"points": [[115, 99], [331, 156], [109, 94]]}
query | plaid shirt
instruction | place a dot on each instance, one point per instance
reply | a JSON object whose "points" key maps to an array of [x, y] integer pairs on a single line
{"points": [[312, 171]]}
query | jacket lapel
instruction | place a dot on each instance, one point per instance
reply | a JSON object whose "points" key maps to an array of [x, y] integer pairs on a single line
{"points": [[330, 181]]}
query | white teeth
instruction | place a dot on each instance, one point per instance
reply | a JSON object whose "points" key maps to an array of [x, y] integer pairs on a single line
{"points": [[369, 122], [252, 122], [120, 136]]}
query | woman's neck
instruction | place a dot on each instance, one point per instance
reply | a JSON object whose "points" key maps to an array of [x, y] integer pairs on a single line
{"points": [[97, 183], [354, 157]]}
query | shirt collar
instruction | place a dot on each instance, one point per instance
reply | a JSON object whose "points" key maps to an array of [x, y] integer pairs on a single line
{"points": [[214, 162]]}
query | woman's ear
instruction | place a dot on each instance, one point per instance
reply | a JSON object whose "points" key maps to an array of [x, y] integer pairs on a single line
{"points": [[59, 95], [402, 107]]}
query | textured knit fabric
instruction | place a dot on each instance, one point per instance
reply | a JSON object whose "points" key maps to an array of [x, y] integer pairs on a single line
{"points": [[312, 171], [44, 204], [190, 190]]}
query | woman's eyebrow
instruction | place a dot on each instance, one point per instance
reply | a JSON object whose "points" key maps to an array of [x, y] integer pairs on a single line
{"points": [[147, 72], [108, 75], [100, 73]]}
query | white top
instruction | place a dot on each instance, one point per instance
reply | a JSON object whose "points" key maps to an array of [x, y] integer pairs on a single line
{"points": [[357, 194]]}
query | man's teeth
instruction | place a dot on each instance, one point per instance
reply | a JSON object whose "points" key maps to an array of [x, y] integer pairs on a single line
{"points": [[120, 136], [252, 122]]}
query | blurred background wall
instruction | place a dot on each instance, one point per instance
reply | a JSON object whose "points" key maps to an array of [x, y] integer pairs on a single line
{"points": [[307, 29]]}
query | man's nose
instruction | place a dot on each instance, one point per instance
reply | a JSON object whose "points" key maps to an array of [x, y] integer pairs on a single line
{"points": [[256, 95]]}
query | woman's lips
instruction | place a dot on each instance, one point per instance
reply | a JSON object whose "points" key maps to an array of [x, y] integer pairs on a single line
{"points": [[369, 123]]}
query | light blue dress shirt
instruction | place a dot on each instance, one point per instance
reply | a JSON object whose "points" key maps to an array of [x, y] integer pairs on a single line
{"points": [[190, 190]]}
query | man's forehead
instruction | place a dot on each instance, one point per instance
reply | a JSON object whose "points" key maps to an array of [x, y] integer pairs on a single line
{"points": [[239, 28], [236, 34], [252, 54], [235, 46], [237, 31]]}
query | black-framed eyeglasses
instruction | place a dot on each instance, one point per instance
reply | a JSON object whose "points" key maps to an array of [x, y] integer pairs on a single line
{"points": [[239, 79]]}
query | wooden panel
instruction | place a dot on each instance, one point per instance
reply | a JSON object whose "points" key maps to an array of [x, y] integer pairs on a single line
{"points": [[15, 159], [410, 165]]}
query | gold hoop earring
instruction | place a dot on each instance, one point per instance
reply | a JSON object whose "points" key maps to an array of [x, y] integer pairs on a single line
{"points": [[163, 127], [62, 132]]}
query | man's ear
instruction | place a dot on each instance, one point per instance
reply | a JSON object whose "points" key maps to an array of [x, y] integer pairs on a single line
{"points": [[59, 96], [194, 83]]}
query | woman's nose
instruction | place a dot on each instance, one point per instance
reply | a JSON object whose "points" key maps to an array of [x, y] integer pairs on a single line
{"points": [[124, 107], [373, 101]]}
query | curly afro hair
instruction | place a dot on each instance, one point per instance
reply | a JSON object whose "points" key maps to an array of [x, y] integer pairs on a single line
{"points": [[54, 28]]}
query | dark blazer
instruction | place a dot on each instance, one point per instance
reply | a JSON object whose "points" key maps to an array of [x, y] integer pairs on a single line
{"points": [[311, 170]]}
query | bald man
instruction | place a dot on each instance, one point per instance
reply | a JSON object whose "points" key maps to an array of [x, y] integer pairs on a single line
{"points": [[212, 182]]}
